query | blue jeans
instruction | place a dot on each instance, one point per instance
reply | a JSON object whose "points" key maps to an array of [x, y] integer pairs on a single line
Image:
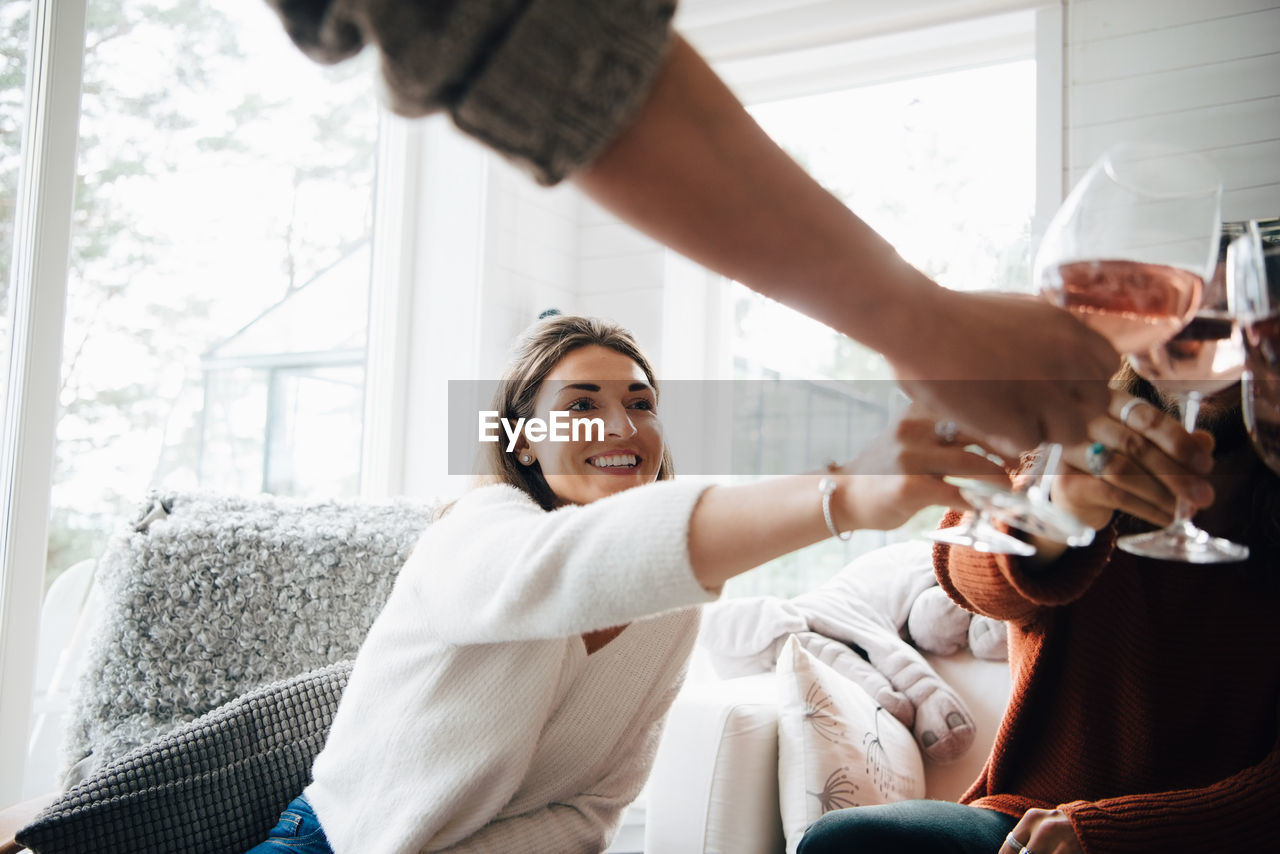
{"points": [[909, 827], [298, 832]]}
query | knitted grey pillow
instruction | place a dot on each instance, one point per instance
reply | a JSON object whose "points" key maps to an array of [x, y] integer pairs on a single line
{"points": [[209, 596], [217, 784]]}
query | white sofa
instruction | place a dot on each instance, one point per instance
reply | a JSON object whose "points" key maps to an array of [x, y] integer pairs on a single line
{"points": [[714, 786]]}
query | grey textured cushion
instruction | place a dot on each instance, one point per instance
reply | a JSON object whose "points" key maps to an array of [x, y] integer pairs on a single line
{"points": [[216, 595], [216, 784]]}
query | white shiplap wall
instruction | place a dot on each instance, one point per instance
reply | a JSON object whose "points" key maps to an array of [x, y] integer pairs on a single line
{"points": [[1203, 75]]}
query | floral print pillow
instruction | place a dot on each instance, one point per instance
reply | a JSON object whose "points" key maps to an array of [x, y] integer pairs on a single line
{"points": [[836, 747]]}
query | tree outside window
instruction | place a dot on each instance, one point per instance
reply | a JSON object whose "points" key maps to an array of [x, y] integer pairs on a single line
{"points": [[219, 174]]}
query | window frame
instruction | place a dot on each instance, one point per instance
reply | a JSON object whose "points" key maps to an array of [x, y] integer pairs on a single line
{"points": [[42, 239]]}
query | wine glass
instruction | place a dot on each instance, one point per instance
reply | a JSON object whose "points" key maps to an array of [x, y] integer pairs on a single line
{"points": [[1126, 253], [976, 529], [1205, 357], [1130, 248], [1254, 260]]}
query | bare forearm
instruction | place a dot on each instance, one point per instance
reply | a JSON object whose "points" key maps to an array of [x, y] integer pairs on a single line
{"points": [[696, 172], [735, 528]]}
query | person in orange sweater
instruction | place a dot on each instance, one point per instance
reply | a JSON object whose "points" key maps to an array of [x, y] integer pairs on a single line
{"points": [[1143, 715]]}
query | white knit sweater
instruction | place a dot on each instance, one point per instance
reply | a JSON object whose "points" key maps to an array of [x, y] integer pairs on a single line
{"points": [[475, 721]]}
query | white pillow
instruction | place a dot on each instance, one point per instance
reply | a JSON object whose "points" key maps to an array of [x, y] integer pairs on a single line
{"points": [[836, 747]]}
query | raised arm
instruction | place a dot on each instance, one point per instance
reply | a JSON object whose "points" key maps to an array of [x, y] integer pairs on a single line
{"points": [[695, 171], [601, 91], [499, 568]]}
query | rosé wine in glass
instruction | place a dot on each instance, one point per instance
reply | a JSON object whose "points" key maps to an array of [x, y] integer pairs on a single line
{"points": [[1205, 357], [1136, 306]]}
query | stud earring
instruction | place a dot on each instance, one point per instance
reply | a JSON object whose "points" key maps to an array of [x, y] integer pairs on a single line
{"points": [[526, 459]]}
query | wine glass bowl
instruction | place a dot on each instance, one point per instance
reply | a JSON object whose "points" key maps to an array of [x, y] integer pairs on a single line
{"points": [[1207, 354], [1133, 305], [1127, 254], [1261, 402], [1255, 265], [1131, 246], [1205, 357]]}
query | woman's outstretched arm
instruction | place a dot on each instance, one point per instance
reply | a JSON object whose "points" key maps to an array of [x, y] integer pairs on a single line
{"points": [[735, 528]]}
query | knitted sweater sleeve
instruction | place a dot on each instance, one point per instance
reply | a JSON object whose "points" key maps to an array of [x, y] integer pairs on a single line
{"points": [[1006, 588], [1235, 814], [546, 82], [498, 568]]}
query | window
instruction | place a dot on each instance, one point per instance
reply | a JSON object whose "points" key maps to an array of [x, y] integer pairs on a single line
{"points": [[942, 165], [216, 310], [215, 327]]}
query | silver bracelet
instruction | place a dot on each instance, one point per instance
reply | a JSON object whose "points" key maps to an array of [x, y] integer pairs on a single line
{"points": [[827, 486]]}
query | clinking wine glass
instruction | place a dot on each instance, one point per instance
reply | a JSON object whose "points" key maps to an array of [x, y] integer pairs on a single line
{"points": [[1127, 253], [1130, 249], [1205, 357], [1254, 259], [977, 529]]}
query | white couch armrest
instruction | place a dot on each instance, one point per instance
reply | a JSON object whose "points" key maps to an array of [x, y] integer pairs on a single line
{"points": [[714, 786]]}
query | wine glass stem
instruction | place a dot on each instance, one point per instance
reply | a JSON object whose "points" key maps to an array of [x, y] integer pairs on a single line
{"points": [[1189, 405], [1045, 467]]}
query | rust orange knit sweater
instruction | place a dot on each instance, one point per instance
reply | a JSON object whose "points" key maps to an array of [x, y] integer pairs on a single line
{"points": [[1145, 696]]}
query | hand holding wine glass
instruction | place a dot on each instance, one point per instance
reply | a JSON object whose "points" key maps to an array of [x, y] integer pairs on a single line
{"points": [[1128, 253], [1206, 356], [1155, 463]]}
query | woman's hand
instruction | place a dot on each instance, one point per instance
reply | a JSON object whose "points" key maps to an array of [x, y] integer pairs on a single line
{"points": [[1042, 832], [1008, 367], [1148, 463], [902, 472]]}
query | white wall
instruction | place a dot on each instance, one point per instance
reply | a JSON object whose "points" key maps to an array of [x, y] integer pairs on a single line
{"points": [[1202, 75], [530, 259]]}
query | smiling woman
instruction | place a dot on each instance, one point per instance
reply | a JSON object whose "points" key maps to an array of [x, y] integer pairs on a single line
{"points": [[513, 688], [587, 368], [630, 451]]}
